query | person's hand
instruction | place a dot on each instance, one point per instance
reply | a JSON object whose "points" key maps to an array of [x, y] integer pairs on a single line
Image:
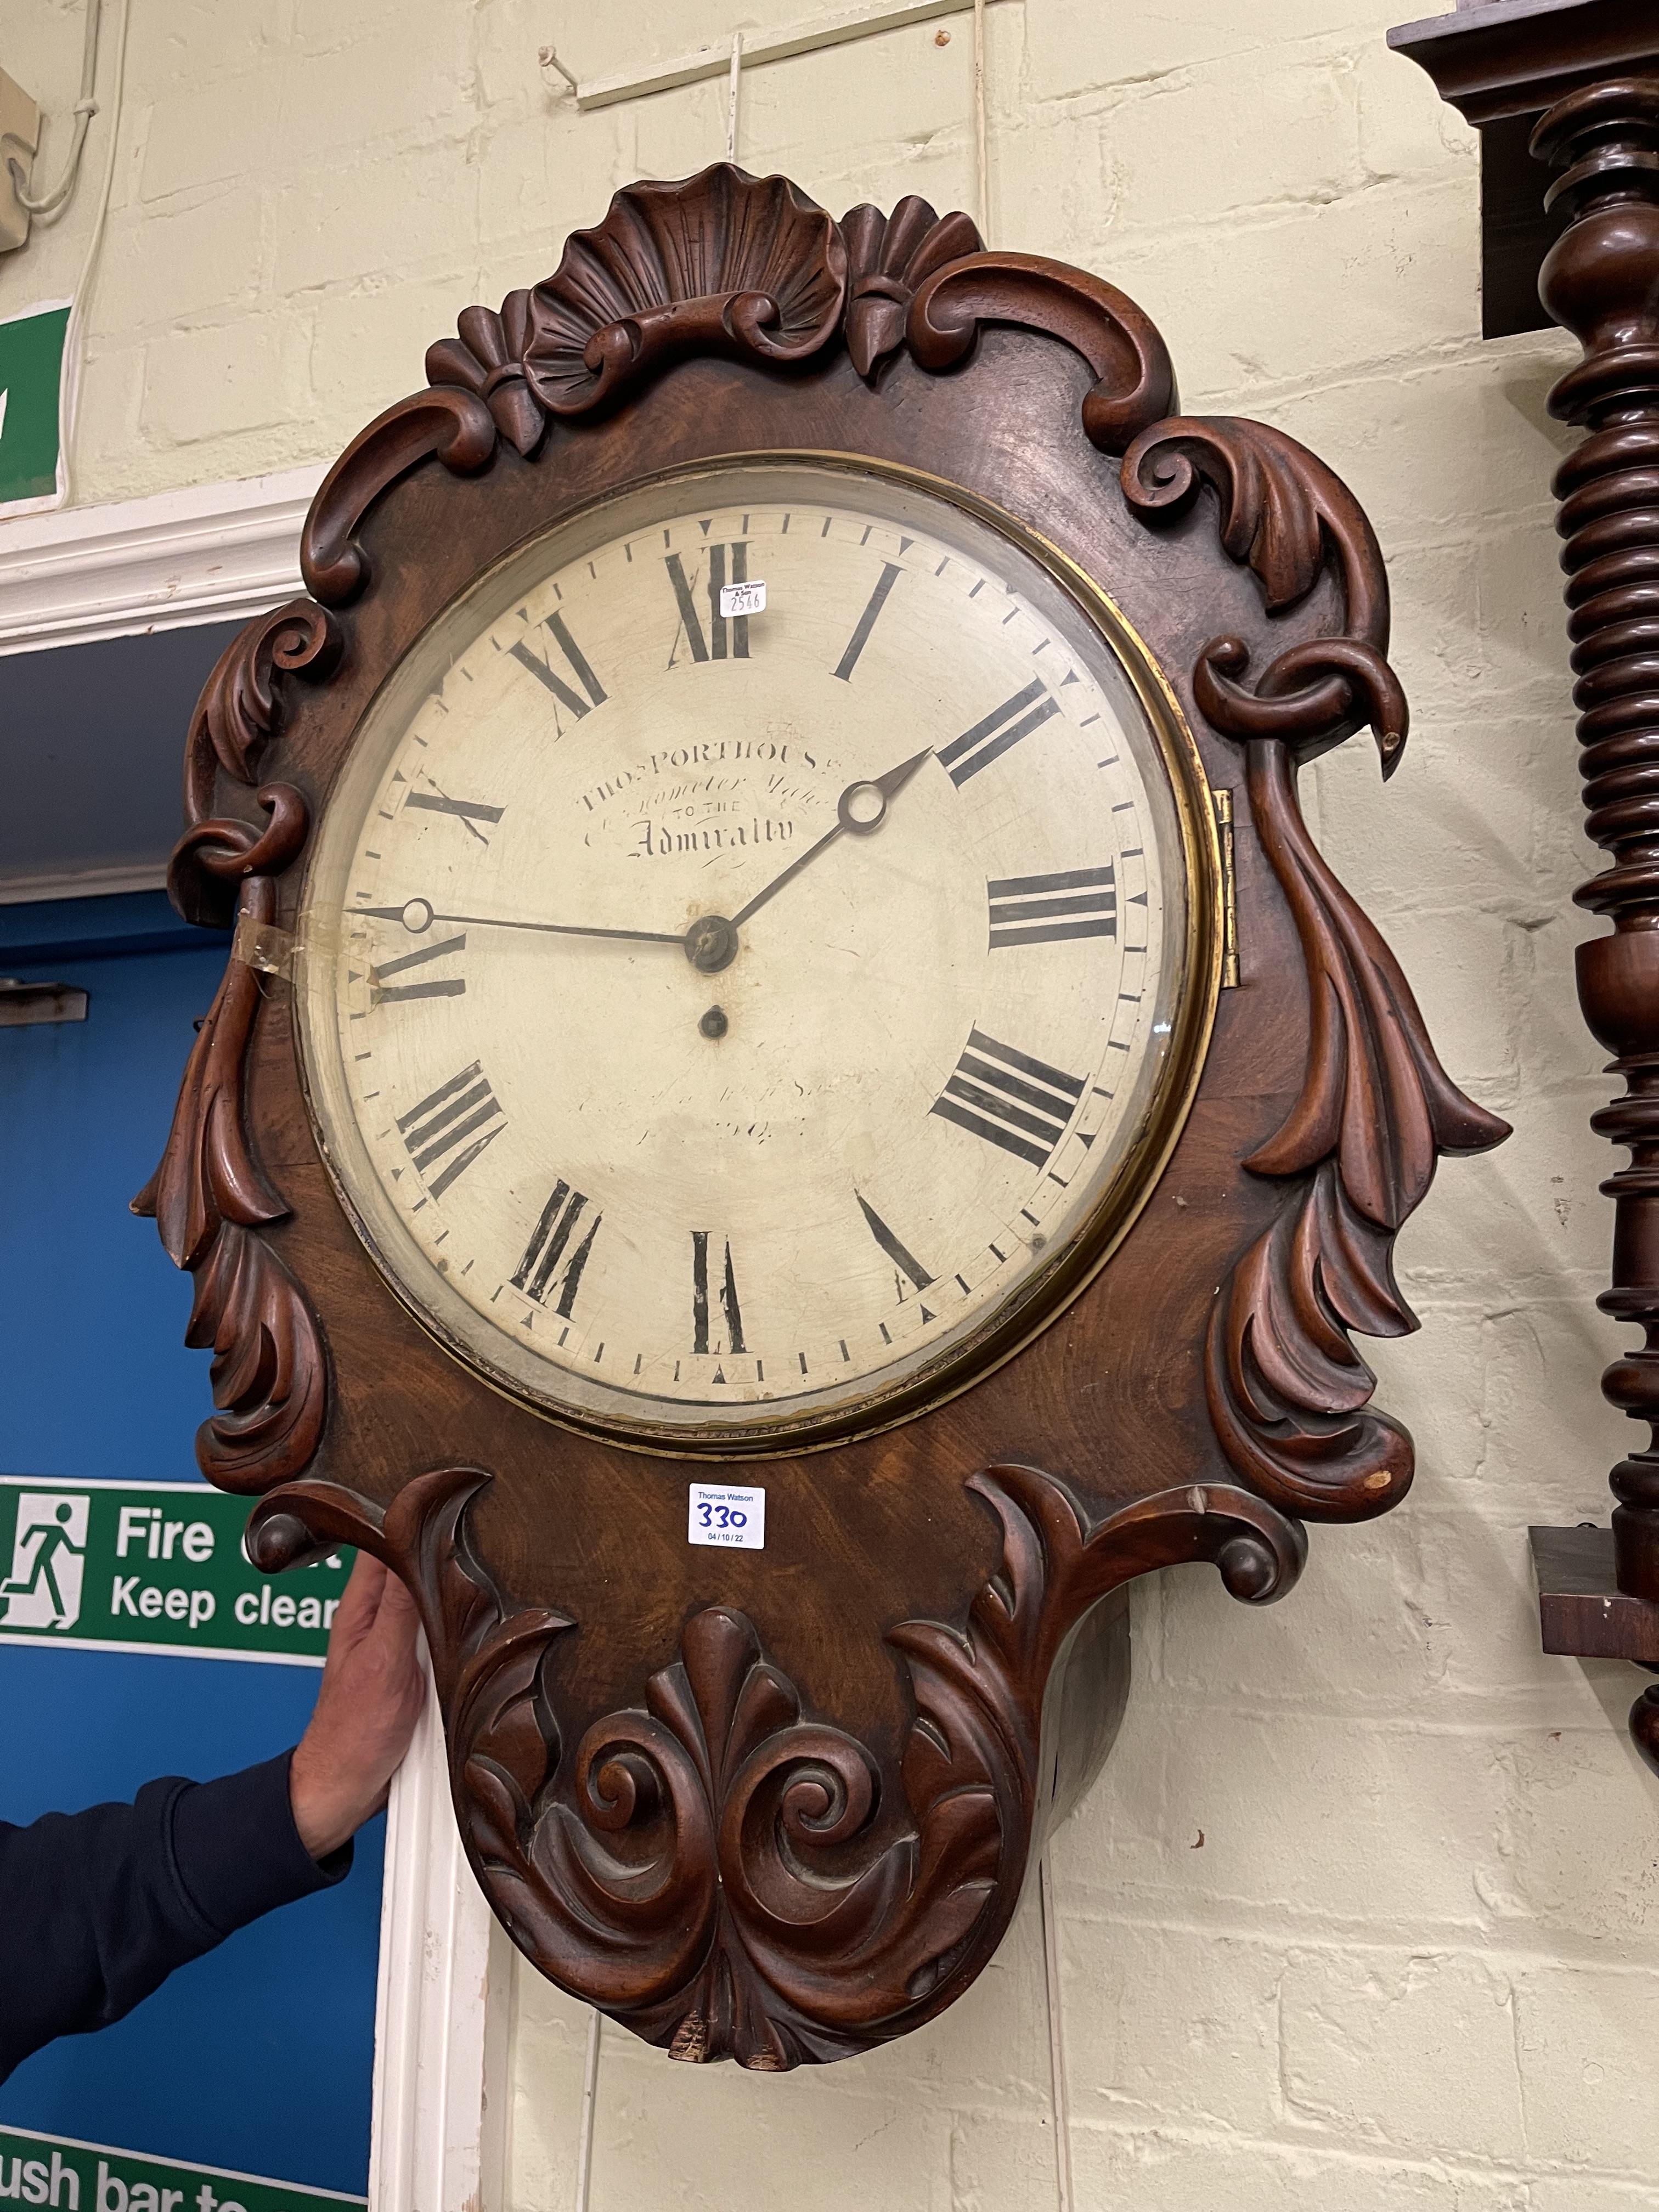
{"points": [[374, 1686]]}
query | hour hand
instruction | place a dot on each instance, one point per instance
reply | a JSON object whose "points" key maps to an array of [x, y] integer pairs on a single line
{"points": [[861, 808]]}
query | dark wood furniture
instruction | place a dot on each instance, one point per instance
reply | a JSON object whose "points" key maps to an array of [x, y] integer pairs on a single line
{"points": [[779, 1805], [1580, 78]]}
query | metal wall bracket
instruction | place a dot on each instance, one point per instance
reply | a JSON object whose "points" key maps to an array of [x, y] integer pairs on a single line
{"points": [[24, 1004]]}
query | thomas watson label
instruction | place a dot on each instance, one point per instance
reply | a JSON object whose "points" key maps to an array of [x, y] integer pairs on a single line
{"points": [[720, 1514]]}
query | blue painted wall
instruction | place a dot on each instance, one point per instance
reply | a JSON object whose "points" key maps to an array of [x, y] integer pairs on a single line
{"points": [[256, 2058]]}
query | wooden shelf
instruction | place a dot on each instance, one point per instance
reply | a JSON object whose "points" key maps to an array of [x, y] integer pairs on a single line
{"points": [[1583, 1611]]}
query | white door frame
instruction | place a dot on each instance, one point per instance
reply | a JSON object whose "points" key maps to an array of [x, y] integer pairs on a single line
{"points": [[214, 553], [217, 553], [442, 2015]]}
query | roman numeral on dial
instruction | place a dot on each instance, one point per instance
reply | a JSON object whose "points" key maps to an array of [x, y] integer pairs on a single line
{"points": [[433, 987], [1009, 1098], [538, 1270], [890, 572], [724, 638], [726, 1290], [1042, 909], [469, 813], [451, 1127], [889, 1244], [903, 1262], [541, 667], [988, 740]]}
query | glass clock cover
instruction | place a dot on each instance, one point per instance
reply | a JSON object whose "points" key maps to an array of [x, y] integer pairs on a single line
{"points": [[749, 964]]}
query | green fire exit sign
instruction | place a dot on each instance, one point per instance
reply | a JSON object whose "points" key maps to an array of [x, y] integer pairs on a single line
{"points": [[153, 1567], [31, 376]]}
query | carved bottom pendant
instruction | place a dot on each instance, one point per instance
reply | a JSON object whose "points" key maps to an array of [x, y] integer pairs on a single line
{"points": [[718, 1869]]}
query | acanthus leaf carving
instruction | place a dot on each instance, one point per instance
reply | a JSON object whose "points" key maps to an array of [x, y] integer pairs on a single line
{"points": [[722, 263], [1287, 1392], [888, 257], [726, 1873], [1375, 1094], [210, 1199]]}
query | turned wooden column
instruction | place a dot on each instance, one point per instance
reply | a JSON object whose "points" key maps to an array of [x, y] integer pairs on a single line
{"points": [[1601, 280], [1564, 75]]}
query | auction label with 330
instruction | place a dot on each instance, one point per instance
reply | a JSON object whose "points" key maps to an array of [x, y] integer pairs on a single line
{"points": [[153, 1566]]}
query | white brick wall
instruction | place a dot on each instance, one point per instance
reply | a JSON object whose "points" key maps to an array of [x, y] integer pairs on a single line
{"points": [[1414, 1962]]}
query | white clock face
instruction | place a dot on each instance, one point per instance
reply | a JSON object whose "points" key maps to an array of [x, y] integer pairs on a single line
{"points": [[727, 1027]]}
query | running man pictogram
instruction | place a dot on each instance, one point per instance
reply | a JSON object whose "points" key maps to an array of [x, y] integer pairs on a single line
{"points": [[48, 1562]]}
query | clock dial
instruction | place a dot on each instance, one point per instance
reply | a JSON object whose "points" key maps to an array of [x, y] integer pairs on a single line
{"points": [[751, 963]]}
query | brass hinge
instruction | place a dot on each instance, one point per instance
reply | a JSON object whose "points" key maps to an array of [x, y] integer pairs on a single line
{"points": [[1223, 823]]}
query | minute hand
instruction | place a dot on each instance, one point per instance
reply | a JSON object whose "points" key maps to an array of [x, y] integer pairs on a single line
{"points": [[495, 921], [874, 792], [563, 928]]}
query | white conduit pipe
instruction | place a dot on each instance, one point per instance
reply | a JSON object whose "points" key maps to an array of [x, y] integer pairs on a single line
{"points": [[590, 2098], [69, 388], [732, 96], [1061, 2086], [83, 110], [982, 166]]}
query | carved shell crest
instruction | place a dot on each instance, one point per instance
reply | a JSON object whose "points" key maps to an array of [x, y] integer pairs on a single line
{"points": [[744, 264]]}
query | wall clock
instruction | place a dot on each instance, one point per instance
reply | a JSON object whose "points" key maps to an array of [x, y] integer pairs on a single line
{"points": [[793, 1105]]}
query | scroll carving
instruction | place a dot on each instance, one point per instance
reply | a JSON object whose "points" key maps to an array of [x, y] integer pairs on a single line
{"points": [[1291, 518], [455, 427], [1287, 1391], [208, 1198], [241, 706], [1134, 380], [715, 1867], [725, 263]]}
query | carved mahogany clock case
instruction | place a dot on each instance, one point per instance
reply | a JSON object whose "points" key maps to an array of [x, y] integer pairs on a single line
{"points": [[855, 1013]]}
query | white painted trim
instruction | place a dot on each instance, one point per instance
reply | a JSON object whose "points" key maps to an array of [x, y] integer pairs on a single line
{"points": [[214, 553], [440, 2029], [91, 883]]}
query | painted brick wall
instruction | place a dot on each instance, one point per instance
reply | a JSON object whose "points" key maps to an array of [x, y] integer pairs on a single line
{"points": [[1363, 1912]]}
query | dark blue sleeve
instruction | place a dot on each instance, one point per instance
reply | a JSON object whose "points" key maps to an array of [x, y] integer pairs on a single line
{"points": [[97, 1908]]}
